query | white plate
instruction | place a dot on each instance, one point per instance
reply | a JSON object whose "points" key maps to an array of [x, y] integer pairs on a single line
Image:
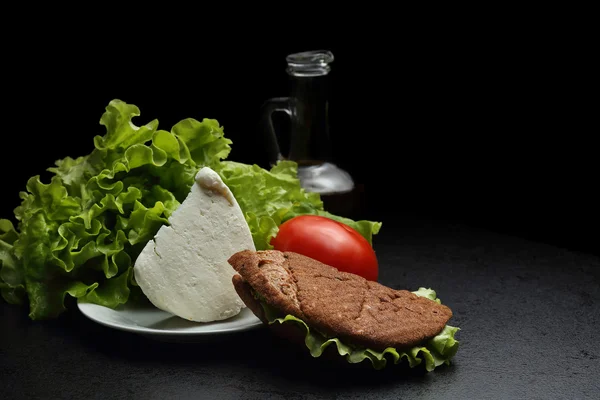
{"points": [[150, 321]]}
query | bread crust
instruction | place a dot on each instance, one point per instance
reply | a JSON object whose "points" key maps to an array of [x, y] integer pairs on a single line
{"points": [[338, 304]]}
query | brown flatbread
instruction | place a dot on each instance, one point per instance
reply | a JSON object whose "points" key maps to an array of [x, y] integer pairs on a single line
{"points": [[336, 303]]}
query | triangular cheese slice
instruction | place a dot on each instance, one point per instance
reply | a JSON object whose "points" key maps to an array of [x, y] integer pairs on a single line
{"points": [[184, 270]]}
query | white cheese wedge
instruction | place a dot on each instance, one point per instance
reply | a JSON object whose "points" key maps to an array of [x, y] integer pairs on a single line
{"points": [[184, 270]]}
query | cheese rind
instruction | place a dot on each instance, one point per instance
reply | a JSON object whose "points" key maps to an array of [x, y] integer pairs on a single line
{"points": [[184, 269]]}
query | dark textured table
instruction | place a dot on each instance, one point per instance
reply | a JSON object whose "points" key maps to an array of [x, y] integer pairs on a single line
{"points": [[529, 315]]}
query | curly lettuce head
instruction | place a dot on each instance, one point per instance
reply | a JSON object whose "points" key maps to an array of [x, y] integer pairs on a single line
{"points": [[80, 233]]}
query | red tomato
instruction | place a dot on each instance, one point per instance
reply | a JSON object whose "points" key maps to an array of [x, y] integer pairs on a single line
{"points": [[329, 242]]}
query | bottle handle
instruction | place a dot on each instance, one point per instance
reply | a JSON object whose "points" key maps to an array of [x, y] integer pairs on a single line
{"points": [[281, 104]]}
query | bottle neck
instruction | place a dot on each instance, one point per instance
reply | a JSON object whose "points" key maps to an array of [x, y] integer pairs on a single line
{"points": [[310, 120], [309, 79]]}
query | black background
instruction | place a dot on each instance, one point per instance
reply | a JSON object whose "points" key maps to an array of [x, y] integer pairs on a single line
{"points": [[486, 117], [488, 123]]}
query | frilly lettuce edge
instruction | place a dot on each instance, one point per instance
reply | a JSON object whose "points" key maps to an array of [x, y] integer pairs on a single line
{"points": [[435, 352]]}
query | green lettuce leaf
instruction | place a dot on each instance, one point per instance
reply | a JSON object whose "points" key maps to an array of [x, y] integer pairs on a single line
{"points": [[79, 234], [437, 351], [270, 197], [12, 281]]}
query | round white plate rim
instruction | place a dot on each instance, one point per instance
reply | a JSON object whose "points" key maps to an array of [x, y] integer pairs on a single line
{"points": [[94, 312]]}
